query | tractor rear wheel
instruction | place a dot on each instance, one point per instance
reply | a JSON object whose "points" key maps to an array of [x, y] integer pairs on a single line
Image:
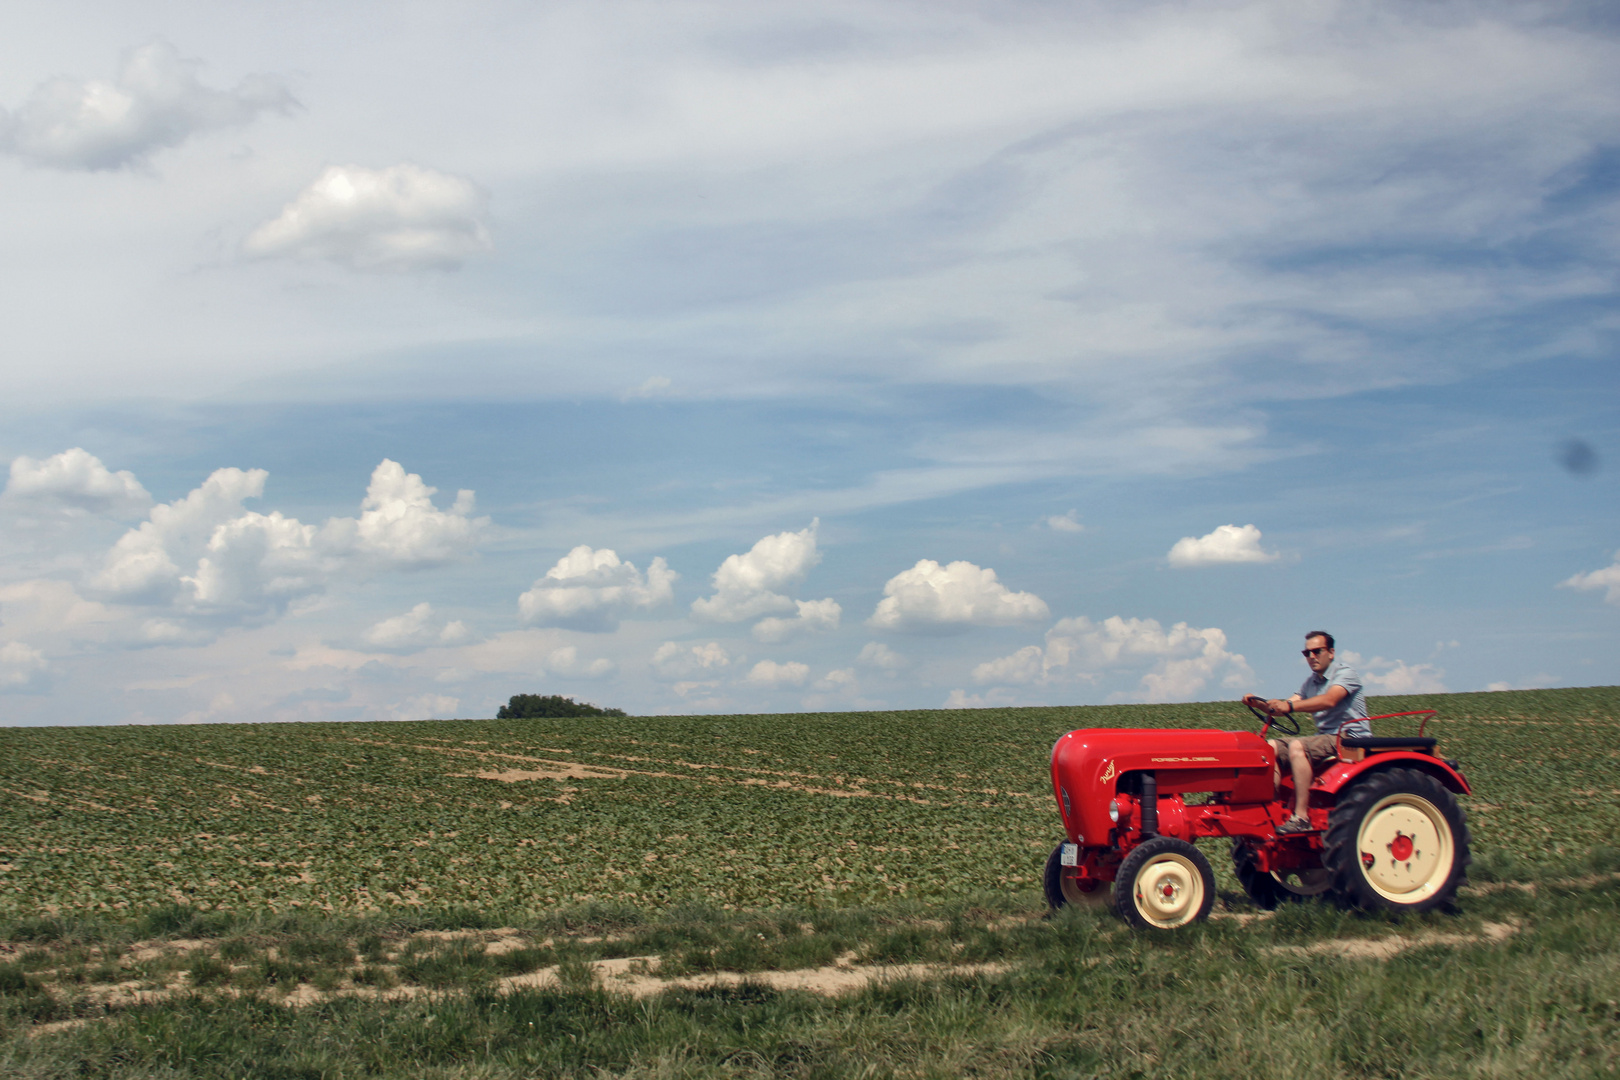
{"points": [[1164, 883], [1268, 889], [1065, 886], [1396, 841]]}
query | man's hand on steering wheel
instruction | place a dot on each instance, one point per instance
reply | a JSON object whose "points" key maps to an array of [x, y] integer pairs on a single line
{"points": [[1274, 712]]}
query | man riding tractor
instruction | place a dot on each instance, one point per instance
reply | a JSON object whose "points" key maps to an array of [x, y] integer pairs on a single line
{"points": [[1333, 694]]}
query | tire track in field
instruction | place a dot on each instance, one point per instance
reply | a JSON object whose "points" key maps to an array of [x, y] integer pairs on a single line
{"points": [[573, 770]]}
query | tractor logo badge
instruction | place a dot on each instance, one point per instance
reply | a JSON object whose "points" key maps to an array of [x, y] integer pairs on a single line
{"points": [[1108, 773]]}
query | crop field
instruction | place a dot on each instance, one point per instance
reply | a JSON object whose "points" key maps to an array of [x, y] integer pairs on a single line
{"points": [[750, 896], [735, 811]]}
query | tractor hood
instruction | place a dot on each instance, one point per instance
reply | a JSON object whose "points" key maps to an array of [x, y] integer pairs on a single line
{"points": [[1088, 764]]}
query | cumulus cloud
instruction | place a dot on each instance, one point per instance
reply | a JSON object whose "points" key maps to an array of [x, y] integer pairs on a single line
{"points": [[1064, 523], [592, 589], [678, 661], [566, 661], [403, 217], [745, 586], [154, 102], [769, 673], [1382, 676], [838, 680], [20, 665], [812, 615], [144, 565], [76, 480], [205, 555], [399, 525], [1606, 580], [1227, 544], [414, 629], [931, 597], [1180, 661], [999, 697], [875, 654]]}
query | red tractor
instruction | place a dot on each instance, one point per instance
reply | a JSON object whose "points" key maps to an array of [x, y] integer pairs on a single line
{"points": [[1387, 831]]}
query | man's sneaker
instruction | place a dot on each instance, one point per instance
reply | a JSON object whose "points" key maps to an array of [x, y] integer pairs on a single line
{"points": [[1294, 824]]}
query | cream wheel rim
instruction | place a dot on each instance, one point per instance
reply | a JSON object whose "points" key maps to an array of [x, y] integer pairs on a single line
{"points": [[1169, 891], [1069, 884], [1405, 848]]}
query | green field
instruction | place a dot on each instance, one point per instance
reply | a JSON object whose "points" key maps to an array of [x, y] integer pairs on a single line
{"points": [[744, 811], [450, 899]]}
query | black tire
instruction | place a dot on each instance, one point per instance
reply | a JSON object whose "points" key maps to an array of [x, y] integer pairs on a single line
{"points": [[1164, 884], [1397, 841], [1269, 890], [1062, 888]]}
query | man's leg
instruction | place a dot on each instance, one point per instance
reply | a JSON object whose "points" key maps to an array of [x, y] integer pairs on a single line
{"points": [[1279, 753], [1301, 762]]}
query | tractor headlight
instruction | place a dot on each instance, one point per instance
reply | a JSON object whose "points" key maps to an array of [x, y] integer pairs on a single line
{"points": [[1113, 811]]}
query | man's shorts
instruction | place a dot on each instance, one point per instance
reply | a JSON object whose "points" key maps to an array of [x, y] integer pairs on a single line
{"points": [[1320, 749]]}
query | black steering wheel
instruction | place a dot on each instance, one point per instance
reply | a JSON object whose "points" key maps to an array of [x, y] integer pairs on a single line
{"points": [[1287, 723]]}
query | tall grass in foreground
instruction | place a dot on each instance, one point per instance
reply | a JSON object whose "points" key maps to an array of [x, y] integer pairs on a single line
{"points": [[1079, 997]]}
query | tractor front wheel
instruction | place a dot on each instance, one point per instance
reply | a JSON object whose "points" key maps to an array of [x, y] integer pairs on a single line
{"points": [[1064, 885], [1164, 883], [1396, 841]]}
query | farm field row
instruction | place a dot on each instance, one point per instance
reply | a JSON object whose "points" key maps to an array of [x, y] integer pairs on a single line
{"points": [[818, 810]]}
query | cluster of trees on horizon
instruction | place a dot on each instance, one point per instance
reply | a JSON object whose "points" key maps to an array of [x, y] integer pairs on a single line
{"points": [[538, 707]]}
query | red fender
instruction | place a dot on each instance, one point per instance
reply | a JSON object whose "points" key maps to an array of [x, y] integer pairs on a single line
{"points": [[1336, 777]]}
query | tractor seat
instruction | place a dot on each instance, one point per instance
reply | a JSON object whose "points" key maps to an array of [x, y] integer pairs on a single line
{"points": [[1374, 743]]}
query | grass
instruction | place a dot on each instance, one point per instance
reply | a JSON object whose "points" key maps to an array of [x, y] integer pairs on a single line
{"points": [[1077, 995], [178, 976]]}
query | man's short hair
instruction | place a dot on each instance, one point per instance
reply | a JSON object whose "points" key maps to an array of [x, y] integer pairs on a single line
{"points": [[1323, 634]]}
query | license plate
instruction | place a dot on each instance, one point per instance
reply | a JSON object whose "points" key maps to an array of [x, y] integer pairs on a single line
{"points": [[1070, 855]]}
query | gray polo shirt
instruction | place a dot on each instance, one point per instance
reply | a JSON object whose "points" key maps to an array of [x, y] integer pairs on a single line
{"points": [[1348, 716]]}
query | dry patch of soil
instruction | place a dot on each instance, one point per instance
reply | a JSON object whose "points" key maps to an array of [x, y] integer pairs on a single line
{"points": [[1385, 947]]}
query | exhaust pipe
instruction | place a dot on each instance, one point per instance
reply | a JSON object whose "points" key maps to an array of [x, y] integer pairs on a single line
{"points": [[1150, 805]]}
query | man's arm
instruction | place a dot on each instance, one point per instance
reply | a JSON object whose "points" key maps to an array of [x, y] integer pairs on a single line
{"points": [[1282, 707]]}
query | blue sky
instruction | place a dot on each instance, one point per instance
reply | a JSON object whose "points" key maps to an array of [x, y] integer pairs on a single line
{"points": [[891, 355]]}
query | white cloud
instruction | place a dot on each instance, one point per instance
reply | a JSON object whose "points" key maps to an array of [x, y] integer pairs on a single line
{"points": [[1024, 666], [76, 480], [154, 102], [1181, 661], [1065, 523], [1382, 676], [142, 565], [931, 597], [653, 386], [1227, 544], [20, 665], [44, 607], [246, 564], [999, 697], [875, 654], [838, 680], [403, 217], [406, 629], [425, 707], [745, 585], [675, 661], [591, 589], [400, 527], [454, 633], [565, 661], [769, 673], [1534, 682], [813, 615], [1607, 579]]}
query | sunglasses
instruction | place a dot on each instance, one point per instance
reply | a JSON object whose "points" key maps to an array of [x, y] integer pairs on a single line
{"points": [[1312, 652]]}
